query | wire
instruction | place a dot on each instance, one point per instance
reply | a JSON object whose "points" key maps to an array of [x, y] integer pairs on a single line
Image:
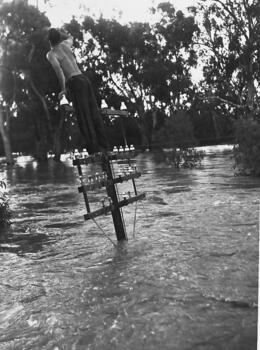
{"points": [[104, 233], [134, 220], [144, 211]]}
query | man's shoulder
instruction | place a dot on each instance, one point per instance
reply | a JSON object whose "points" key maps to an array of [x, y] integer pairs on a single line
{"points": [[49, 54]]}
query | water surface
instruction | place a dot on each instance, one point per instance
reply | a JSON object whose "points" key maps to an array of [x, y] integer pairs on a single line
{"points": [[186, 278]]}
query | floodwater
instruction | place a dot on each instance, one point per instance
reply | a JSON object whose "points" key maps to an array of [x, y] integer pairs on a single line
{"points": [[187, 278]]}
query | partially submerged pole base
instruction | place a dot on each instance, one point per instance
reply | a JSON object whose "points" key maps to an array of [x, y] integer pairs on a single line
{"points": [[111, 192], [109, 181]]}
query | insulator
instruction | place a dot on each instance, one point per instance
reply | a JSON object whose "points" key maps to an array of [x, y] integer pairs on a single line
{"points": [[103, 104], [85, 153], [76, 153], [123, 106]]}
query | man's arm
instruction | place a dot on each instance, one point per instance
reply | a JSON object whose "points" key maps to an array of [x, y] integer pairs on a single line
{"points": [[59, 73]]}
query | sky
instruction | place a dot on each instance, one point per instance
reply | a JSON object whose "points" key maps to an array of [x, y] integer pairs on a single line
{"points": [[61, 11]]}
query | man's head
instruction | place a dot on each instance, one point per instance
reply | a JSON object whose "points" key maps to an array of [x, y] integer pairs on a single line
{"points": [[54, 36]]}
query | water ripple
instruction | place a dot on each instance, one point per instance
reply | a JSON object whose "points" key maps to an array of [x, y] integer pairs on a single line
{"points": [[186, 280]]}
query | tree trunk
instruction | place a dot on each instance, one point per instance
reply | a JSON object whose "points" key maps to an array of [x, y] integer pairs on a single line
{"points": [[41, 144], [215, 124], [6, 139], [251, 92], [143, 128], [43, 127], [57, 135]]}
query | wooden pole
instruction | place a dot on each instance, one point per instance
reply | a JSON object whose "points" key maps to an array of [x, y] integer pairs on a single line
{"points": [[111, 191]]}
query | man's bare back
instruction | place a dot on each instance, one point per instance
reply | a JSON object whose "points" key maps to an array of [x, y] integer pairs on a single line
{"points": [[62, 52], [63, 62]]}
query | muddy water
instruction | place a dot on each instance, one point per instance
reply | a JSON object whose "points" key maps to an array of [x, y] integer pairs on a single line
{"points": [[186, 279]]}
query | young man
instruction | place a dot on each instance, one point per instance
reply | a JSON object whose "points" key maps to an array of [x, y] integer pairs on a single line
{"points": [[78, 89]]}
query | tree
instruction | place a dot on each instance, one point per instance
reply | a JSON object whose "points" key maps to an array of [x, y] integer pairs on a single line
{"points": [[144, 66], [175, 33], [24, 48], [7, 88], [230, 50]]}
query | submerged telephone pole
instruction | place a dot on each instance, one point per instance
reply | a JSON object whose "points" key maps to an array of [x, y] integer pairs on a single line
{"points": [[109, 180]]}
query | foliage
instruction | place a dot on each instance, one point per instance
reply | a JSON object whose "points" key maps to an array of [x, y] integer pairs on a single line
{"points": [[230, 49], [187, 157], [211, 125], [121, 130], [175, 141], [177, 131], [24, 48], [5, 213], [145, 66], [247, 151]]}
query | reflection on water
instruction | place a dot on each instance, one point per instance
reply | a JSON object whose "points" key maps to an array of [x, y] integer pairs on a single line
{"points": [[186, 280]]}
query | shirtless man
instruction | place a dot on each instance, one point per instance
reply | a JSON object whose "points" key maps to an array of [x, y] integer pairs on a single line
{"points": [[77, 87]]}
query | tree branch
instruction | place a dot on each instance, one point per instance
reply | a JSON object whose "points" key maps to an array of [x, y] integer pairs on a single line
{"points": [[117, 86], [222, 100], [232, 14], [131, 88]]}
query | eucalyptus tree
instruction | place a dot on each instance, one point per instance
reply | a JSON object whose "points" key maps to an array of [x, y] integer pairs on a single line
{"points": [[24, 48], [230, 49], [143, 65], [174, 33]]}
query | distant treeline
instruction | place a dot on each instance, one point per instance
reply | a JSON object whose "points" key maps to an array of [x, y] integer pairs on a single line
{"points": [[147, 67]]}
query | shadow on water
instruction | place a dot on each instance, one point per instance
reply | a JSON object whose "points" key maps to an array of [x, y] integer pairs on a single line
{"points": [[187, 280], [38, 192], [30, 171], [21, 243]]}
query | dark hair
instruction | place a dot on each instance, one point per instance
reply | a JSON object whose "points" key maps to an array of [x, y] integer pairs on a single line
{"points": [[54, 36]]}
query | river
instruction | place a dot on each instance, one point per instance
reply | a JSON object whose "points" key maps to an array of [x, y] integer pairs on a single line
{"points": [[187, 278]]}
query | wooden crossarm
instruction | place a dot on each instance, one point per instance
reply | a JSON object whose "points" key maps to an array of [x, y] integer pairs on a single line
{"points": [[110, 207], [120, 179], [108, 111], [126, 161], [103, 183], [88, 160], [106, 209], [130, 200]]}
